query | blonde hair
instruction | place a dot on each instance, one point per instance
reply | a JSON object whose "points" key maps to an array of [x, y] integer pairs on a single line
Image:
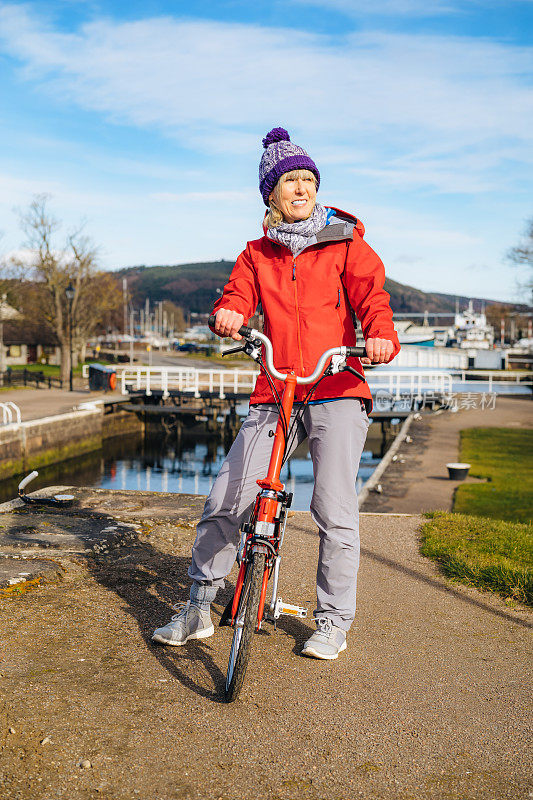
{"points": [[274, 216]]}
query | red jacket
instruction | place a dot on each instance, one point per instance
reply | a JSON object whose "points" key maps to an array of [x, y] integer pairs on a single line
{"points": [[307, 302]]}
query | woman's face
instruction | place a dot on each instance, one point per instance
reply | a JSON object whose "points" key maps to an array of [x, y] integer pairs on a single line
{"points": [[296, 198]]}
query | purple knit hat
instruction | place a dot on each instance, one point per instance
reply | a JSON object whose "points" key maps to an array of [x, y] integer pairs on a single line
{"points": [[281, 156]]}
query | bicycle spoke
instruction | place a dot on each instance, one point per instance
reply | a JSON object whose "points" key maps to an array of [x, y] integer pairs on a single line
{"points": [[245, 625]]}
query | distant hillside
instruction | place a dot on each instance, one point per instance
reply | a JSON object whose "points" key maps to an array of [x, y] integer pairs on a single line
{"points": [[194, 288], [191, 286]]}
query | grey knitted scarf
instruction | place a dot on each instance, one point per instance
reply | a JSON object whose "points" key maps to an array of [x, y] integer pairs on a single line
{"points": [[298, 235]]}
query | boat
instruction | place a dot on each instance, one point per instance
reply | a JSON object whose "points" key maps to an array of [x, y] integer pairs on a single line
{"points": [[409, 333], [471, 330]]}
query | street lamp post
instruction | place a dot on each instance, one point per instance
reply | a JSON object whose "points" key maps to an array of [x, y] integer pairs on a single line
{"points": [[70, 293], [2, 350], [132, 315]]}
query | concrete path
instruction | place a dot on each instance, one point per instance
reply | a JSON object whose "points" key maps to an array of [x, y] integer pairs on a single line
{"points": [[38, 403], [431, 700], [418, 480]]}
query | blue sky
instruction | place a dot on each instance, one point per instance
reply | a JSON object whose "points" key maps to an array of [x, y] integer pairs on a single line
{"points": [[146, 119]]}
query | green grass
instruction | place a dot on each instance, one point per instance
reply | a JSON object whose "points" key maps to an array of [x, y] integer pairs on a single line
{"points": [[490, 554], [504, 457], [487, 541], [48, 370]]}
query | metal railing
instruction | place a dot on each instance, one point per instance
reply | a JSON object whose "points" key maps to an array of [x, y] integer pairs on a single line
{"points": [[400, 382], [188, 380], [220, 382], [494, 378], [397, 382], [25, 377], [10, 410]]}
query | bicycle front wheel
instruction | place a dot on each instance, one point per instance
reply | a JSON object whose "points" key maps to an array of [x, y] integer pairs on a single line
{"points": [[245, 625]]}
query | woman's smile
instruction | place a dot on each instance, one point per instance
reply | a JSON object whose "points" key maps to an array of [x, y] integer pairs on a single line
{"points": [[297, 198]]}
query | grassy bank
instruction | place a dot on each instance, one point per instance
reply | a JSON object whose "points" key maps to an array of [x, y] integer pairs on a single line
{"points": [[488, 539], [504, 458], [487, 553]]}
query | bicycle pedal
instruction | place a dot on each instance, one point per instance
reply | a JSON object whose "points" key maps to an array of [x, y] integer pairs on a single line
{"points": [[288, 610]]}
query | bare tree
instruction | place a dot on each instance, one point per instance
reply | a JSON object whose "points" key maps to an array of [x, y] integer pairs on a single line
{"points": [[522, 256], [99, 307], [11, 274], [54, 269]]}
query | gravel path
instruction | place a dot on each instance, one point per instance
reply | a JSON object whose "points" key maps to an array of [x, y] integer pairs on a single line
{"points": [[430, 700], [417, 480]]}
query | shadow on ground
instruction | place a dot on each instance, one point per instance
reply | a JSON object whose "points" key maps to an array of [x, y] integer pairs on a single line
{"points": [[150, 583]]}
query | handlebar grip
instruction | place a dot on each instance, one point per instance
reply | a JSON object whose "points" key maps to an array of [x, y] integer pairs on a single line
{"points": [[356, 352], [244, 330]]}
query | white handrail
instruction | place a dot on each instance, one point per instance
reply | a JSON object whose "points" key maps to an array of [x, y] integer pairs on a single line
{"points": [[16, 409], [218, 382], [8, 410]]}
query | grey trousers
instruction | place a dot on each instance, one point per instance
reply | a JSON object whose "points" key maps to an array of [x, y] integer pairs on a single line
{"points": [[337, 433]]}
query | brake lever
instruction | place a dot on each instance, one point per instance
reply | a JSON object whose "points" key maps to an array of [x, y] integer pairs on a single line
{"points": [[233, 350], [252, 348], [348, 368]]}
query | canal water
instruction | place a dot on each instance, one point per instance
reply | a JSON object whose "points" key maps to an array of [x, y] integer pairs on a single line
{"points": [[158, 465]]}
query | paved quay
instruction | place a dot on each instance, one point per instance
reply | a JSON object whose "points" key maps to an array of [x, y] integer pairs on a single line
{"points": [[417, 480], [430, 700], [39, 403]]}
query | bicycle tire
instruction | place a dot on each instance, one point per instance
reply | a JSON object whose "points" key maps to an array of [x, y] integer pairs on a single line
{"points": [[245, 625]]}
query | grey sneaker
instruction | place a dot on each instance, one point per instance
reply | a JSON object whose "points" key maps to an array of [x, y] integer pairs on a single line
{"points": [[191, 622], [326, 642]]}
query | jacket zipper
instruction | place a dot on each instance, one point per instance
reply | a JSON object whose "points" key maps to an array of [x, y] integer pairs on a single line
{"points": [[297, 315], [338, 299]]}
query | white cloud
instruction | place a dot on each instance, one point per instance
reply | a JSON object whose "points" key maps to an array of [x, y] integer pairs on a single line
{"points": [[215, 86], [381, 111], [385, 8], [408, 8]]}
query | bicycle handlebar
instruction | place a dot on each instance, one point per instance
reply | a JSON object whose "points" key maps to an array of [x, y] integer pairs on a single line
{"points": [[251, 334], [243, 331]]}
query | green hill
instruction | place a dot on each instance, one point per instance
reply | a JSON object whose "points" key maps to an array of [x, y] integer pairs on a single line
{"points": [[194, 288]]}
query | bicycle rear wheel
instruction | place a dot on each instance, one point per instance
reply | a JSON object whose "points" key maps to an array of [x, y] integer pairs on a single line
{"points": [[245, 625]]}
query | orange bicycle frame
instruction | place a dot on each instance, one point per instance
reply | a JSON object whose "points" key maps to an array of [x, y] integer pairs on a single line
{"points": [[267, 507]]}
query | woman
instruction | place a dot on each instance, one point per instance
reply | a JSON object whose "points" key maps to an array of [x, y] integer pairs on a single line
{"points": [[310, 270]]}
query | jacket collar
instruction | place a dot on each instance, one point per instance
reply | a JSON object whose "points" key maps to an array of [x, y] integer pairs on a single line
{"points": [[341, 229], [336, 232]]}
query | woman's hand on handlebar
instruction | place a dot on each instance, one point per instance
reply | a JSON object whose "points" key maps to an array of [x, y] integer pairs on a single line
{"points": [[379, 351], [227, 323]]}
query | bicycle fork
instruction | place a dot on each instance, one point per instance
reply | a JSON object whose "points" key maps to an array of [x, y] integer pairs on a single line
{"points": [[266, 536]]}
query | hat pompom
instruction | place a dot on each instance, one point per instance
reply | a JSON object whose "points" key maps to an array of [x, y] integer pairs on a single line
{"points": [[276, 135]]}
